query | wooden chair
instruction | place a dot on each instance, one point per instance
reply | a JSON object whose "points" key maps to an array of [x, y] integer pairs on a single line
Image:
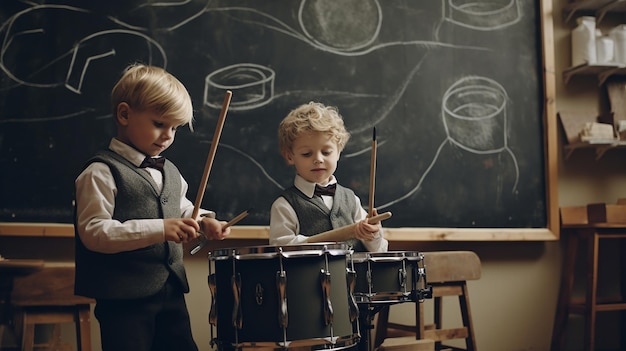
{"points": [[447, 272], [47, 297]]}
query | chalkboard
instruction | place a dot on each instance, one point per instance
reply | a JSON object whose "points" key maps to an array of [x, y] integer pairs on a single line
{"points": [[454, 89]]}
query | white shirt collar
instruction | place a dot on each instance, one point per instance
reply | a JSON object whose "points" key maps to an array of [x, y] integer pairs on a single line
{"points": [[128, 152], [308, 188]]}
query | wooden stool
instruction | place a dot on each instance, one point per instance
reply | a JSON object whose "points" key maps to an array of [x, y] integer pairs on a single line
{"points": [[9, 270], [591, 303], [47, 297], [447, 272], [407, 343]]}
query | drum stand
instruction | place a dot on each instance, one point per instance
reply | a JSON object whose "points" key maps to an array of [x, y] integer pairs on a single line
{"points": [[367, 311]]}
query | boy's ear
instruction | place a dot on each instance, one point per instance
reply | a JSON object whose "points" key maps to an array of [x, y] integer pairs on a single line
{"points": [[122, 113], [288, 156]]}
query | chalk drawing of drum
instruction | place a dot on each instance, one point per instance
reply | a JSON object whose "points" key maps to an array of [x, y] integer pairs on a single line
{"points": [[474, 114], [483, 15], [252, 86], [282, 297]]}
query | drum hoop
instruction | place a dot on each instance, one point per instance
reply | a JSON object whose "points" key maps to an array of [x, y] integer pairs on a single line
{"points": [[270, 251], [337, 343], [389, 256]]}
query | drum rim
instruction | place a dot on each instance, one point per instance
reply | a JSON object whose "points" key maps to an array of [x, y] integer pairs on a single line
{"points": [[312, 344], [271, 251], [358, 257]]}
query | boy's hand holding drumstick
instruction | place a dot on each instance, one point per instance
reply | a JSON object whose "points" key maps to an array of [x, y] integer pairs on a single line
{"points": [[367, 231], [218, 231]]}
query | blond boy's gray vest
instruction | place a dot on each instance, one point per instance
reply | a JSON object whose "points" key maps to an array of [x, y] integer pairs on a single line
{"points": [[314, 217], [142, 272]]}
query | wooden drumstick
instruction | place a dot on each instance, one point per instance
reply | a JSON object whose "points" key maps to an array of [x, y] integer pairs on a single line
{"points": [[372, 174], [211, 156], [344, 233], [230, 223], [238, 218]]}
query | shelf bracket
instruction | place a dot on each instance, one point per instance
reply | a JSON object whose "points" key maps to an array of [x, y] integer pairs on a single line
{"points": [[603, 10], [603, 76]]}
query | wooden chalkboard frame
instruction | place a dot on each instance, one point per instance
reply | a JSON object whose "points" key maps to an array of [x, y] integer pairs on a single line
{"points": [[550, 232]]}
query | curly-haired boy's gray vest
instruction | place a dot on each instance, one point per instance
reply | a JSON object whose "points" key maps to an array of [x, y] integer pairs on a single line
{"points": [[314, 217], [141, 272]]}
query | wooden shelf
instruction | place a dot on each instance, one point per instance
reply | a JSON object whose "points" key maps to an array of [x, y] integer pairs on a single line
{"points": [[597, 8], [600, 146], [603, 72]]}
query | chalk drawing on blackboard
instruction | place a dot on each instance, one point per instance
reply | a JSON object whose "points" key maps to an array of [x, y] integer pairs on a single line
{"points": [[317, 24], [28, 28], [101, 45], [335, 25], [252, 160], [483, 15], [252, 86], [391, 59], [474, 116]]}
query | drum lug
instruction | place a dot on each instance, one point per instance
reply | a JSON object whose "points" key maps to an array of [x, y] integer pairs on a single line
{"points": [[237, 317], [328, 306], [354, 309], [213, 310], [402, 278], [281, 285]]}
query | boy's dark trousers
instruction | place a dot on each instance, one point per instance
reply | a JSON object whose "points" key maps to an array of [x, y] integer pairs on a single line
{"points": [[156, 323]]}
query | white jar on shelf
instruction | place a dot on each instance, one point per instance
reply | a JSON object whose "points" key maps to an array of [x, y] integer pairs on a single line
{"points": [[584, 41], [604, 48], [619, 38]]}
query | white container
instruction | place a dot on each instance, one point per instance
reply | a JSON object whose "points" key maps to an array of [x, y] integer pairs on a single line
{"points": [[619, 39], [584, 41], [604, 48]]}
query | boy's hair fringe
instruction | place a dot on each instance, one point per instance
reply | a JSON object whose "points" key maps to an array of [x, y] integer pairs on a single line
{"points": [[151, 88], [312, 117]]}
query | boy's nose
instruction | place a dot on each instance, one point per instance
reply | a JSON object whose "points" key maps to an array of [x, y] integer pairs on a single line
{"points": [[168, 134]]}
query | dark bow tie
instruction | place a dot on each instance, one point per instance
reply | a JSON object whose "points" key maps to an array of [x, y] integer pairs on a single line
{"points": [[154, 162], [328, 190]]}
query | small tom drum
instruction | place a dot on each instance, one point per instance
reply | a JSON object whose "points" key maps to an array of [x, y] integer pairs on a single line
{"points": [[278, 297], [394, 276]]}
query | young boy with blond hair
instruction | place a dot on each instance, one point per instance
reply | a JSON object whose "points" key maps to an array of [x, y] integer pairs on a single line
{"points": [[311, 138], [132, 217]]}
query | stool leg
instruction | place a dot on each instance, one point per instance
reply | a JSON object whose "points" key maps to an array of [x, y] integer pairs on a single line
{"points": [[83, 330], [438, 313], [565, 291], [592, 292], [28, 334], [622, 255], [466, 315]]}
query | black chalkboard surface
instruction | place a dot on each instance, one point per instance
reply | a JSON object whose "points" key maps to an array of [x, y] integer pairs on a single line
{"points": [[454, 92]]}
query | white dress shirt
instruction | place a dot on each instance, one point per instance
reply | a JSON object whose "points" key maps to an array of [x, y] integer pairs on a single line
{"points": [[95, 200], [285, 227]]}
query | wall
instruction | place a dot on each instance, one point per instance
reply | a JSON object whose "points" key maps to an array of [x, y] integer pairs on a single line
{"points": [[513, 304]]}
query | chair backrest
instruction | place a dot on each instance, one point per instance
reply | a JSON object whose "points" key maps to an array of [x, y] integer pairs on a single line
{"points": [[449, 266], [51, 286]]}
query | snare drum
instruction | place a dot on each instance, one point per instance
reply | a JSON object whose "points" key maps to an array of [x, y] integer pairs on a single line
{"points": [[394, 276], [277, 297]]}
